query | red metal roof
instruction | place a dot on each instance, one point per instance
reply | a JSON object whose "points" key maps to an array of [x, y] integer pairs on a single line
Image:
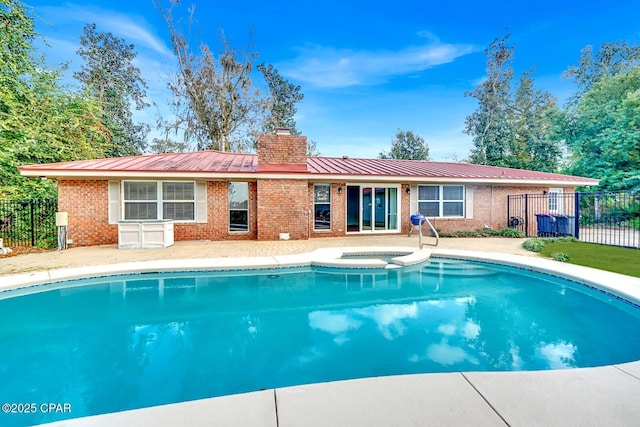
{"points": [[235, 163], [196, 161], [417, 168]]}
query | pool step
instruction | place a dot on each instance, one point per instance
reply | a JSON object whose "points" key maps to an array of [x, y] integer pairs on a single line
{"points": [[456, 269]]}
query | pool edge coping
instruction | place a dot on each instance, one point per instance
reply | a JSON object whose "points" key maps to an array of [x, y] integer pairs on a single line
{"points": [[323, 257]]}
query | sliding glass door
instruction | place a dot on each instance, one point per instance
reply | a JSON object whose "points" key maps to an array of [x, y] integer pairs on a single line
{"points": [[372, 208]]}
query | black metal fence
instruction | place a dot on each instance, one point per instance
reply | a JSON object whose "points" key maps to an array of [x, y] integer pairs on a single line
{"points": [[28, 223], [609, 218]]}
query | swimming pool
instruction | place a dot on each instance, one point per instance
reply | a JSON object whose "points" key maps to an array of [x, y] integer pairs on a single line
{"points": [[124, 342]]}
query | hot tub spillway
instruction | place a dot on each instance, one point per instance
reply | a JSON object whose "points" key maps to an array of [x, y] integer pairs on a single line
{"points": [[369, 257]]}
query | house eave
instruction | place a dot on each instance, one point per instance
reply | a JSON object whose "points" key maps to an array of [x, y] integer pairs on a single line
{"points": [[114, 175]]}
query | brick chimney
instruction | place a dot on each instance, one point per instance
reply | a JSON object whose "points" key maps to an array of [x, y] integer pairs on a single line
{"points": [[282, 152], [283, 202]]}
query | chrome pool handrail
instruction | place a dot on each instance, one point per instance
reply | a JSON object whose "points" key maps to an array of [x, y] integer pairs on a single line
{"points": [[433, 229], [419, 221]]}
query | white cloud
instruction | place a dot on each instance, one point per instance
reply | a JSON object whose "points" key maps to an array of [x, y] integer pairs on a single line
{"points": [[390, 317], [332, 323], [447, 329], [471, 330], [134, 29], [444, 354], [468, 330], [124, 27], [559, 356], [330, 67]]}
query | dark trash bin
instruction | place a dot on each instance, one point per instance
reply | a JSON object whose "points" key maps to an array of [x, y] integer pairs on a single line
{"points": [[565, 225], [571, 225], [562, 225], [546, 225]]}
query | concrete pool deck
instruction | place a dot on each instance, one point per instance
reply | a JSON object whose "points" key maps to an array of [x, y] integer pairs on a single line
{"points": [[110, 254], [581, 397]]}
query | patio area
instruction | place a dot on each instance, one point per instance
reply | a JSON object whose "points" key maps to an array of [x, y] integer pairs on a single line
{"points": [[110, 254]]}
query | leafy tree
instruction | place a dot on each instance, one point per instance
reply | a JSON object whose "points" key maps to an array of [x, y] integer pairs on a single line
{"points": [[535, 115], [110, 78], [609, 60], [513, 128], [39, 121], [489, 124], [603, 131], [312, 148], [407, 145], [282, 100], [167, 145], [17, 35], [602, 121], [216, 105]]}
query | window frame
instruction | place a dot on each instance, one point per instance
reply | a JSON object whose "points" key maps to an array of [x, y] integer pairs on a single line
{"points": [[442, 201], [354, 207], [229, 210], [159, 200], [556, 200], [315, 203]]}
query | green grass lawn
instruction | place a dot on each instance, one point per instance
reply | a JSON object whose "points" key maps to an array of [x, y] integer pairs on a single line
{"points": [[610, 258]]}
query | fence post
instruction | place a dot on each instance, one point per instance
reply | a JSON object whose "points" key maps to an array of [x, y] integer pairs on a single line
{"points": [[576, 222], [33, 222], [526, 215]]}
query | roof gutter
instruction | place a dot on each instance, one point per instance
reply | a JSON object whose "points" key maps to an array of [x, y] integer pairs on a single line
{"points": [[83, 174]]}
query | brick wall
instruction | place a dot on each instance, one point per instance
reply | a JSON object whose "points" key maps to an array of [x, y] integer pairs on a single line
{"points": [[280, 149], [283, 207], [87, 203], [338, 206], [489, 208], [275, 206], [217, 226], [405, 214]]}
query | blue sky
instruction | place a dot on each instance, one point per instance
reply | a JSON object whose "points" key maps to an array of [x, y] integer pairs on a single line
{"points": [[366, 68]]}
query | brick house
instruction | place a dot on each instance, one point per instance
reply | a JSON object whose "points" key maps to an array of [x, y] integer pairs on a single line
{"points": [[213, 195]]}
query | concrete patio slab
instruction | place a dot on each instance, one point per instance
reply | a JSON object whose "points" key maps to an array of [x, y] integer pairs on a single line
{"points": [[632, 368], [604, 396], [251, 410], [409, 400]]}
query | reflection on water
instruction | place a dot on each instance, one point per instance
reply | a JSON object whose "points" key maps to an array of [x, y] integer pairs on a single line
{"points": [[143, 340]]}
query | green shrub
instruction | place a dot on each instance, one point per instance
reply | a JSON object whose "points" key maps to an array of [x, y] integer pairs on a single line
{"points": [[560, 256], [537, 243], [484, 232], [511, 232], [533, 245]]}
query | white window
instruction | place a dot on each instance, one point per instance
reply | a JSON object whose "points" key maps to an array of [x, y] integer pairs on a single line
{"points": [[144, 200], [238, 206], [322, 206], [441, 201], [555, 201]]}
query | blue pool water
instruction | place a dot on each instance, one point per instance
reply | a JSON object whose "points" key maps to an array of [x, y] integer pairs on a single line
{"points": [[133, 341]]}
